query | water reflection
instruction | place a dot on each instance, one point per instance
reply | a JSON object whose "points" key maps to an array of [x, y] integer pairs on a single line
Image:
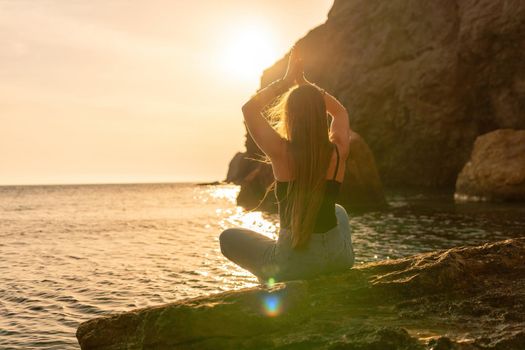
{"points": [[228, 192], [414, 223], [263, 223]]}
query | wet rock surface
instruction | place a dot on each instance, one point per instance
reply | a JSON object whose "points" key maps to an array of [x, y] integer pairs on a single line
{"points": [[496, 168], [460, 298]]}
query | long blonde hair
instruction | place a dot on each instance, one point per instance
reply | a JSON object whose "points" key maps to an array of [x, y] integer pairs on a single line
{"points": [[301, 118]]}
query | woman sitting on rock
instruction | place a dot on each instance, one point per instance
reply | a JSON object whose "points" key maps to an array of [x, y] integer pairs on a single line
{"points": [[308, 158]]}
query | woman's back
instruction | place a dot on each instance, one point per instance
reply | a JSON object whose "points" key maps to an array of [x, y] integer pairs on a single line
{"points": [[326, 217]]}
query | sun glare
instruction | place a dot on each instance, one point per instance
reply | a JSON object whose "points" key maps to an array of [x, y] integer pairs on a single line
{"points": [[248, 51]]}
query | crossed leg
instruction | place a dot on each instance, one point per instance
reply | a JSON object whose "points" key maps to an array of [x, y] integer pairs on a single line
{"points": [[250, 250]]}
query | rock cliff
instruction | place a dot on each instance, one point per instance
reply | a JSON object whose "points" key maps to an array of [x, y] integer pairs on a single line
{"points": [[421, 79], [461, 298]]}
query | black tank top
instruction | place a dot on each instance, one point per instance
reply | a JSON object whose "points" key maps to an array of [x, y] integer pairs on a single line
{"points": [[326, 218]]}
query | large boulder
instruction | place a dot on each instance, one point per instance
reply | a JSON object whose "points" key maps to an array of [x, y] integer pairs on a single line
{"points": [[461, 298], [496, 168], [420, 79]]}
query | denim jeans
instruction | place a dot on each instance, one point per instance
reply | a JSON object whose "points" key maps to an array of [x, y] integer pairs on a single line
{"points": [[266, 258]]}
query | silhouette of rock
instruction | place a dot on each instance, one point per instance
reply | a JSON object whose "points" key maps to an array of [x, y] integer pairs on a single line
{"points": [[461, 298], [235, 169], [496, 169]]}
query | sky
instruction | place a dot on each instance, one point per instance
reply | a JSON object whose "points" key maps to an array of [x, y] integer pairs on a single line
{"points": [[114, 91]]}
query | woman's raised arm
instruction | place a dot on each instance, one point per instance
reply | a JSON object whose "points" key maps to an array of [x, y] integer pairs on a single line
{"points": [[340, 126], [264, 135]]}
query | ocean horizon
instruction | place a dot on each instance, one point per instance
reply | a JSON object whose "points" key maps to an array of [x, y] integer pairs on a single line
{"points": [[204, 182]]}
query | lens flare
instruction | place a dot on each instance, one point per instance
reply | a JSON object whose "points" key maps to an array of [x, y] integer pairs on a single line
{"points": [[271, 282], [272, 305]]}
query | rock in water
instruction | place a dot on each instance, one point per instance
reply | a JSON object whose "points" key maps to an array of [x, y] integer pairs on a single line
{"points": [[235, 170], [421, 79], [461, 298], [362, 188], [496, 169]]}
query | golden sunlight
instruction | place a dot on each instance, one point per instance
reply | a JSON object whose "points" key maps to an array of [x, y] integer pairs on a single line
{"points": [[249, 50]]}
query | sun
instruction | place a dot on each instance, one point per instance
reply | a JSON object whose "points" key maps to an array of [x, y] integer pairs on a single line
{"points": [[248, 51]]}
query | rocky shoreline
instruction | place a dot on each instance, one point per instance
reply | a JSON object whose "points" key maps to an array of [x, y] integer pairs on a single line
{"points": [[460, 298]]}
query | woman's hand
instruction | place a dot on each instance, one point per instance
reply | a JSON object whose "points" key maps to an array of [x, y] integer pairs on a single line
{"points": [[295, 70], [301, 79], [295, 67]]}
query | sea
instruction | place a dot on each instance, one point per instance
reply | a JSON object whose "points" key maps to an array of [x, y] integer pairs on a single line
{"points": [[75, 252]]}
